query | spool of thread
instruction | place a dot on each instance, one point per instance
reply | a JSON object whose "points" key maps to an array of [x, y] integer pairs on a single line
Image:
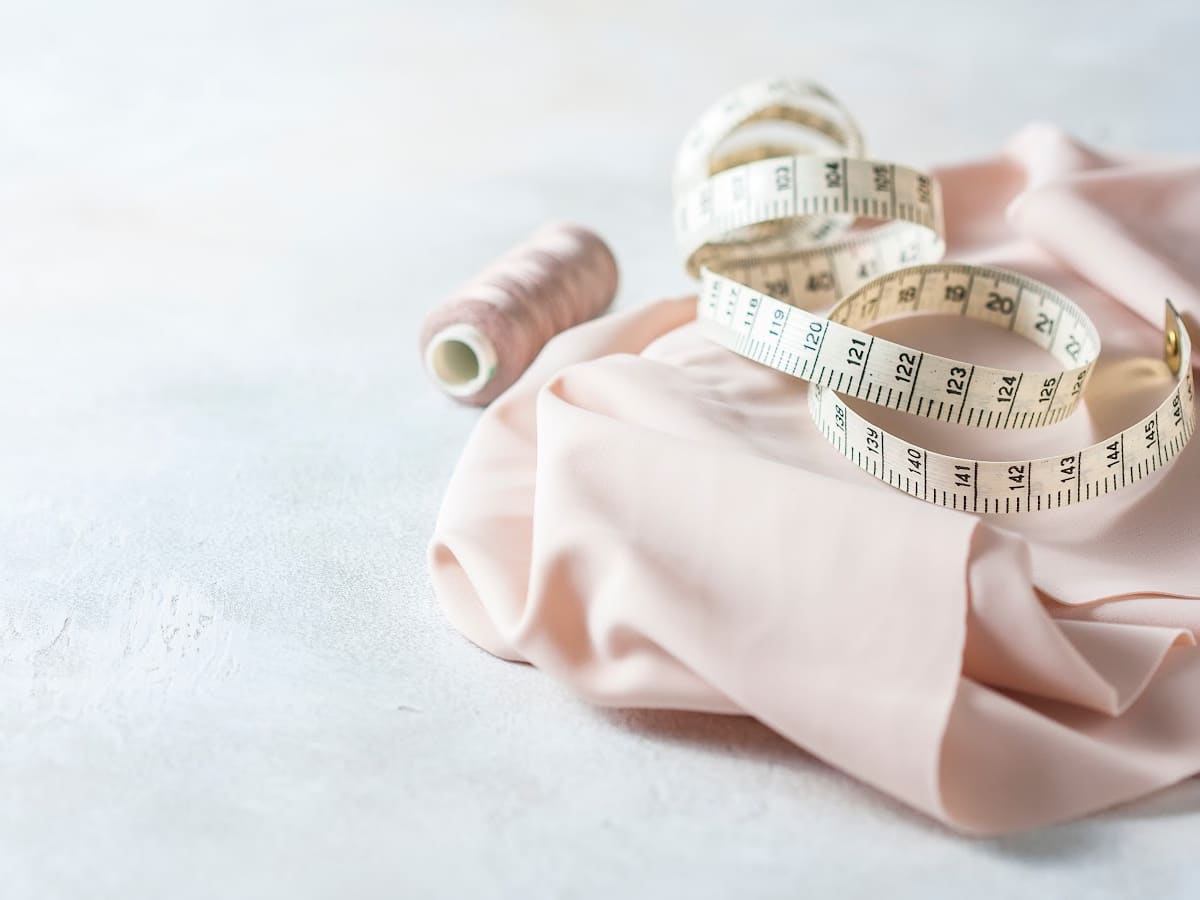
{"points": [[480, 340]]}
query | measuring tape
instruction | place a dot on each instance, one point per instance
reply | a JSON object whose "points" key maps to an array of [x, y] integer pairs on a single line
{"points": [[768, 228]]}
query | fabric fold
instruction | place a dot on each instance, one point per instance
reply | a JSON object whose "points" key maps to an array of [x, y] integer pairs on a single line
{"points": [[656, 522]]}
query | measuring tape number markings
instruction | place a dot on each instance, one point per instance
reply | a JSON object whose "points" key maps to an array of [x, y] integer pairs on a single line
{"points": [[768, 231]]}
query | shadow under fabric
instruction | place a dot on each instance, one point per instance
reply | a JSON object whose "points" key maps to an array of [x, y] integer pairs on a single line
{"points": [[655, 521]]}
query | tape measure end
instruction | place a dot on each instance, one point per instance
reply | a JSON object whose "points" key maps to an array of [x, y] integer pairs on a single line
{"points": [[1174, 332]]}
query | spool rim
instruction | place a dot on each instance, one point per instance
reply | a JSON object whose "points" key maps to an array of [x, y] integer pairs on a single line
{"points": [[461, 359]]}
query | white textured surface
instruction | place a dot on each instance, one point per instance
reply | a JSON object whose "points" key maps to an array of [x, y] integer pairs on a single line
{"points": [[222, 671]]}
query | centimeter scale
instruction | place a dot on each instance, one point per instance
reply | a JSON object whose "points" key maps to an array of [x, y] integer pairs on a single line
{"points": [[768, 229]]}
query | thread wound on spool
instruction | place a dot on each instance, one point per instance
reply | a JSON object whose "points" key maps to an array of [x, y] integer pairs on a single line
{"points": [[482, 338]]}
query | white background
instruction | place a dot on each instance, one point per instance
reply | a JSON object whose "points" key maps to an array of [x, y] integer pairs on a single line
{"points": [[222, 669]]}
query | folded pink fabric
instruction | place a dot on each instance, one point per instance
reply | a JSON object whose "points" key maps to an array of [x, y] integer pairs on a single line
{"points": [[657, 522]]}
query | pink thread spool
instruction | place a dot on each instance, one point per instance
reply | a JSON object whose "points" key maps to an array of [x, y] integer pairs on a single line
{"points": [[478, 342]]}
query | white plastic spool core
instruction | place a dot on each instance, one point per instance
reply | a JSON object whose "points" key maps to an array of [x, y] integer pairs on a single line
{"points": [[461, 358]]}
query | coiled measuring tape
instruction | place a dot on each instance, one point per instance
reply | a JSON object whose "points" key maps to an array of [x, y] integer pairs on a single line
{"points": [[768, 230]]}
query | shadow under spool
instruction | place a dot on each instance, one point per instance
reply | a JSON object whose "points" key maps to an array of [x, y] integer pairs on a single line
{"points": [[480, 341]]}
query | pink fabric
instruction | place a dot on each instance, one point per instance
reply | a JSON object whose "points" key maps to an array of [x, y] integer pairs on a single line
{"points": [[656, 522]]}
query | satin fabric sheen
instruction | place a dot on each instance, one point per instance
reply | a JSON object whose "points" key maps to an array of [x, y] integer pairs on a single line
{"points": [[656, 522]]}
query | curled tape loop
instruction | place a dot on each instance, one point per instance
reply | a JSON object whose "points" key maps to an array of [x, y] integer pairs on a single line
{"points": [[770, 238]]}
